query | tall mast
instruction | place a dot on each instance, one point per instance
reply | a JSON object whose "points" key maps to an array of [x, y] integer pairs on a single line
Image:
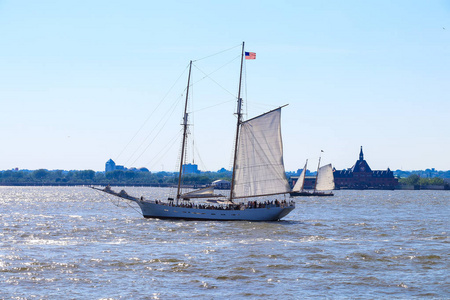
{"points": [[239, 119], [185, 126]]}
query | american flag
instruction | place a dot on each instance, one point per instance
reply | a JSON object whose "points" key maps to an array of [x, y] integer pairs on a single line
{"points": [[250, 55]]}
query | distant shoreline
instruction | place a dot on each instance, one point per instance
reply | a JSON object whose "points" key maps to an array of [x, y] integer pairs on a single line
{"points": [[398, 188]]}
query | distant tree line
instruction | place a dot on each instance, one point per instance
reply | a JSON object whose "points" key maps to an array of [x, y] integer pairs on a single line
{"points": [[428, 173], [130, 177], [117, 177], [416, 180]]}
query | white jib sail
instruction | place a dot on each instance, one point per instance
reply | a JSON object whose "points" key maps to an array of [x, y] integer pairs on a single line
{"points": [[300, 181], [325, 178], [259, 165]]}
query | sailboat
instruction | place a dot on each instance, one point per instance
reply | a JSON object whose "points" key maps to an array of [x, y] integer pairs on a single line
{"points": [[297, 190], [324, 182], [258, 171]]}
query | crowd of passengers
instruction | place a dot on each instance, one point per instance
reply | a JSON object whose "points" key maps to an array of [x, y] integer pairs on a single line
{"points": [[231, 206], [255, 204], [240, 206]]}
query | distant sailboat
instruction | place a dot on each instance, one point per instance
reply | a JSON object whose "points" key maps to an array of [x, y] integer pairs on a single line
{"points": [[258, 171], [324, 182], [299, 185]]}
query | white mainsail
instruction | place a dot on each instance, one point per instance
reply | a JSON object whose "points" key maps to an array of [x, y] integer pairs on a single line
{"points": [[300, 181], [325, 178], [259, 166]]}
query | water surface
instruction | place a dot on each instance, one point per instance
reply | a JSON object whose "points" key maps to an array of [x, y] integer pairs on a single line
{"points": [[73, 242]]}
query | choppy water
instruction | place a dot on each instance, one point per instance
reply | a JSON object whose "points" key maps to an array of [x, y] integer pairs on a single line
{"points": [[73, 243]]}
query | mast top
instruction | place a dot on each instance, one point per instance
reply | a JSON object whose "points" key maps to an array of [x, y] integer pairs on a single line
{"points": [[239, 119], [185, 125]]}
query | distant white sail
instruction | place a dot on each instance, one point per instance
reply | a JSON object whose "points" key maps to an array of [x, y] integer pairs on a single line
{"points": [[259, 167], [325, 178], [300, 181]]}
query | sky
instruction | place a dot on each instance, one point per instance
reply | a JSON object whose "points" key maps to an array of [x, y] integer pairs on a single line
{"points": [[85, 81]]}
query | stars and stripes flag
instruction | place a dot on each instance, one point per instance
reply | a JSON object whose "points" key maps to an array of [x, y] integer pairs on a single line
{"points": [[250, 55]]}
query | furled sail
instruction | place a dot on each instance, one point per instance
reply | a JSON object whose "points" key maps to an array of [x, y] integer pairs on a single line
{"points": [[207, 192], [300, 181], [325, 178], [259, 167]]}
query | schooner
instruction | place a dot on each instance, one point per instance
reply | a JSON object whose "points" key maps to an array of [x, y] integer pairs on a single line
{"points": [[258, 171]]}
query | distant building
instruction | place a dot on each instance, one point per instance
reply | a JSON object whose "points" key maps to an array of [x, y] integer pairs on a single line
{"points": [[361, 177], [110, 166], [190, 169]]}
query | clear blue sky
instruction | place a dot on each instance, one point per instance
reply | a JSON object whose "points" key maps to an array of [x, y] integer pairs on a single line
{"points": [[78, 79]]}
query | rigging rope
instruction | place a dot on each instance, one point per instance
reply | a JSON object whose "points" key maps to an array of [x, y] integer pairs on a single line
{"points": [[200, 158], [218, 104], [109, 199], [240, 45], [169, 145], [208, 75], [172, 110], [151, 114]]}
